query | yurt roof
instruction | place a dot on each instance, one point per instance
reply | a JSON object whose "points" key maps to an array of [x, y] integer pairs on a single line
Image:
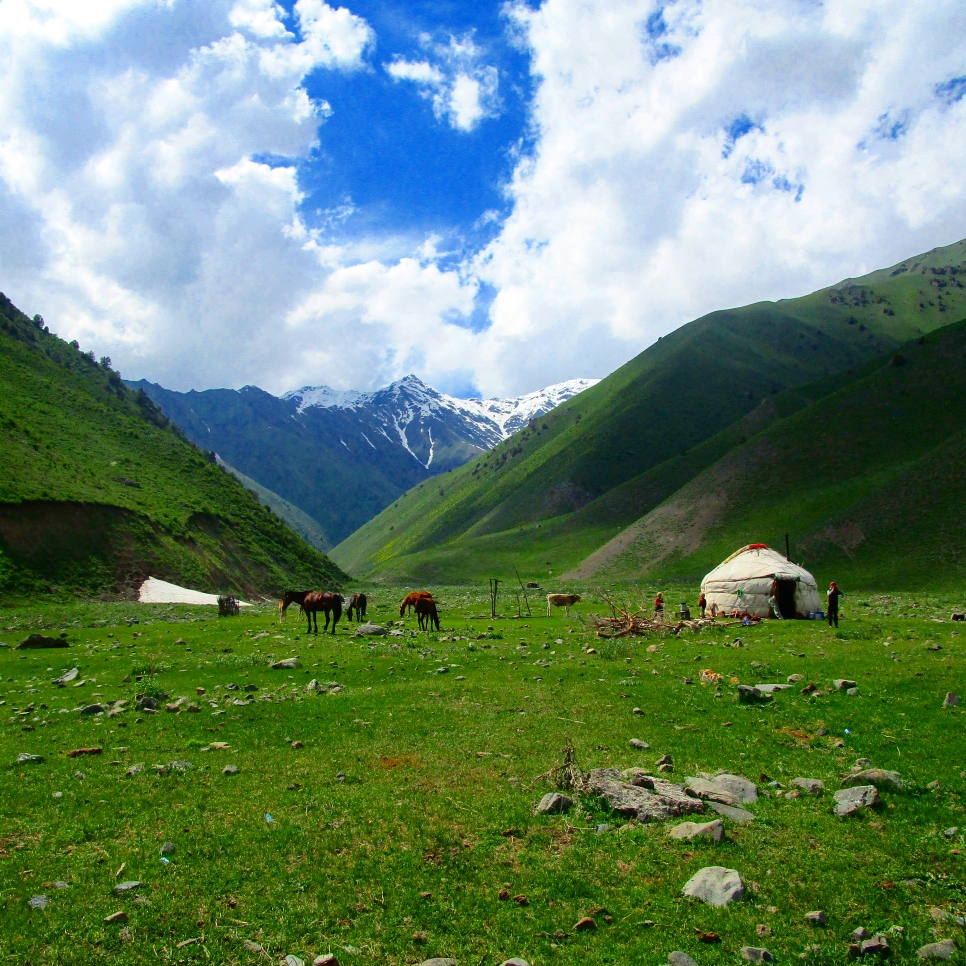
{"points": [[758, 560]]}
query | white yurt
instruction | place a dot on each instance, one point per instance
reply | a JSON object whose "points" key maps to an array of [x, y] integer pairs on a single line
{"points": [[745, 582]]}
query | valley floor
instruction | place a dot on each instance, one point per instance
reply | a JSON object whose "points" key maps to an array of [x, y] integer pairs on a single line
{"points": [[380, 820]]}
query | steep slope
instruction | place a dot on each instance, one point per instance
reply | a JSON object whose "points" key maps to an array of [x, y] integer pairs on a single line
{"points": [[868, 482], [98, 490], [341, 457], [547, 497]]}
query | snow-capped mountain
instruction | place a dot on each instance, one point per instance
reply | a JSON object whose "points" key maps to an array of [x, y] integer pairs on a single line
{"points": [[408, 409], [342, 456]]}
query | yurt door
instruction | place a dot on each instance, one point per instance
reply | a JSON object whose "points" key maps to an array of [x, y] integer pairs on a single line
{"points": [[786, 598]]}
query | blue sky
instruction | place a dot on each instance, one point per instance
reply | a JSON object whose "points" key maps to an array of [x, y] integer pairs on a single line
{"points": [[494, 196]]}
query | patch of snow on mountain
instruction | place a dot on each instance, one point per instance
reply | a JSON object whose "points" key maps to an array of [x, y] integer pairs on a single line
{"points": [[323, 396]]}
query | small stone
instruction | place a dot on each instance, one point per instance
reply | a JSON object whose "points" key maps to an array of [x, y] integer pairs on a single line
{"points": [[859, 934], [637, 711], [817, 918], [135, 769], [516, 961], [252, 947], [686, 831], [715, 885], [38, 902], [93, 709], [877, 944], [849, 801], [822, 732], [199, 691], [739, 815], [25, 759], [941, 950], [668, 767], [951, 700], [66, 677], [751, 695], [890, 781], [326, 960], [128, 886], [297, 744], [290, 663], [60, 884], [638, 744], [582, 925], [795, 678], [754, 954], [58, 795], [116, 917], [763, 930], [169, 848], [951, 833], [843, 684], [553, 803], [439, 960], [852, 692], [811, 786], [677, 958], [230, 770], [664, 760], [291, 960]]}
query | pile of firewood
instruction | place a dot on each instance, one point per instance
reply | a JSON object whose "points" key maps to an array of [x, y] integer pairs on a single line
{"points": [[624, 623]]}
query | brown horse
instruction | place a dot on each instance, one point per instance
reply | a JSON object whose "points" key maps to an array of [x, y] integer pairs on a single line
{"points": [[410, 600], [311, 603], [357, 603], [426, 613]]}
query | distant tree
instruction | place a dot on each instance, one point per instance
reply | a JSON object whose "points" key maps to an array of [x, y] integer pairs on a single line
{"points": [[90, 355], [105, 362], [75, 344], [38, 321]]}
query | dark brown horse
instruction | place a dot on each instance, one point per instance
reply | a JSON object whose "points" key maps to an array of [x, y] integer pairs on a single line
{"points": [[410, 600], [357, 603], [311, 603], [426, 613]]}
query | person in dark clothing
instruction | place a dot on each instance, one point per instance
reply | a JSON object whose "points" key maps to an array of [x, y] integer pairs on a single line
{"points": [[833, 604]]}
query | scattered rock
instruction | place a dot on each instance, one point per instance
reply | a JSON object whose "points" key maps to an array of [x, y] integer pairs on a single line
{"points": [[951, 700], [751, 695], [516, 961], [230, 770], [884, 780], [795, 678], [739, 815], [843, 684], [438, 961], [817, 918], [951, 833], [297, 745], [754, 954], [772, 688], [66, 677], [693, 830], [811, 786], [288, 664], [638, 744], [582, 925], [877, 944], [677, 958], [637, 711], [169, 848], [252, 947], [41, 641], [128, 886], [77, 752], [859, 934], [715, 885], [291, 960], [661, 801], [941, 950], [326, 960], [38, 902], [147, 703], [24, 759], [852, 692], [135, 769], [849, 801], [370, 628], [553, 803], [116, 917], [92, 709], [710, 791]]}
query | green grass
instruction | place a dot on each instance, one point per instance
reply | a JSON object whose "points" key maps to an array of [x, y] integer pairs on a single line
{"points": [[99, 490], [614, 452], [866, 480], [440, 776]]}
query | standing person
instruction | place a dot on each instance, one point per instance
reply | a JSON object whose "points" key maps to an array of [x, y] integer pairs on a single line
{"points": [[659, 607], [833, 604], [702, 604]]}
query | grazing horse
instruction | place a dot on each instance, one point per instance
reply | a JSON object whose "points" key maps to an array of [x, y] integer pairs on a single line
{"points": [[358, 603], [562, 600], [312, 602], [426, 613], [410, 600]]}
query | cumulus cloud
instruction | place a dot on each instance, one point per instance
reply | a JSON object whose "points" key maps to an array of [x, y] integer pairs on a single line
{"points": [[686, 156], [463, 90]]}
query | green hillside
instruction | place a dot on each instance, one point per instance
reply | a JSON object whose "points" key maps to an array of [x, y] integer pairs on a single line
{"points": [[557, 490], [868, 482], [98, 490]]}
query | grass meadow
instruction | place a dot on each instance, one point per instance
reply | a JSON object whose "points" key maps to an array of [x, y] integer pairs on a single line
{"points": [[381, 822]]}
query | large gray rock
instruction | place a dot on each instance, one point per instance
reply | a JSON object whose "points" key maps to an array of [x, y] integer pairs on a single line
{"points": [[941, 950], [659, 801], [677, 958], [439, 961], [288, 664], [849, 801], [711, 791], [750, 695], [516, 961], [371, 628], [811, 786], [27, 759], [66, 677], [743, 789], [772, 688], [715, 885], [843, 684], [695, 830], [889, 781], [553, 803]]}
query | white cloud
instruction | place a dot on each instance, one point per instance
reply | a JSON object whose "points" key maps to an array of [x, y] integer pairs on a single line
{"points": [[463, 90], [687, 157]]}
